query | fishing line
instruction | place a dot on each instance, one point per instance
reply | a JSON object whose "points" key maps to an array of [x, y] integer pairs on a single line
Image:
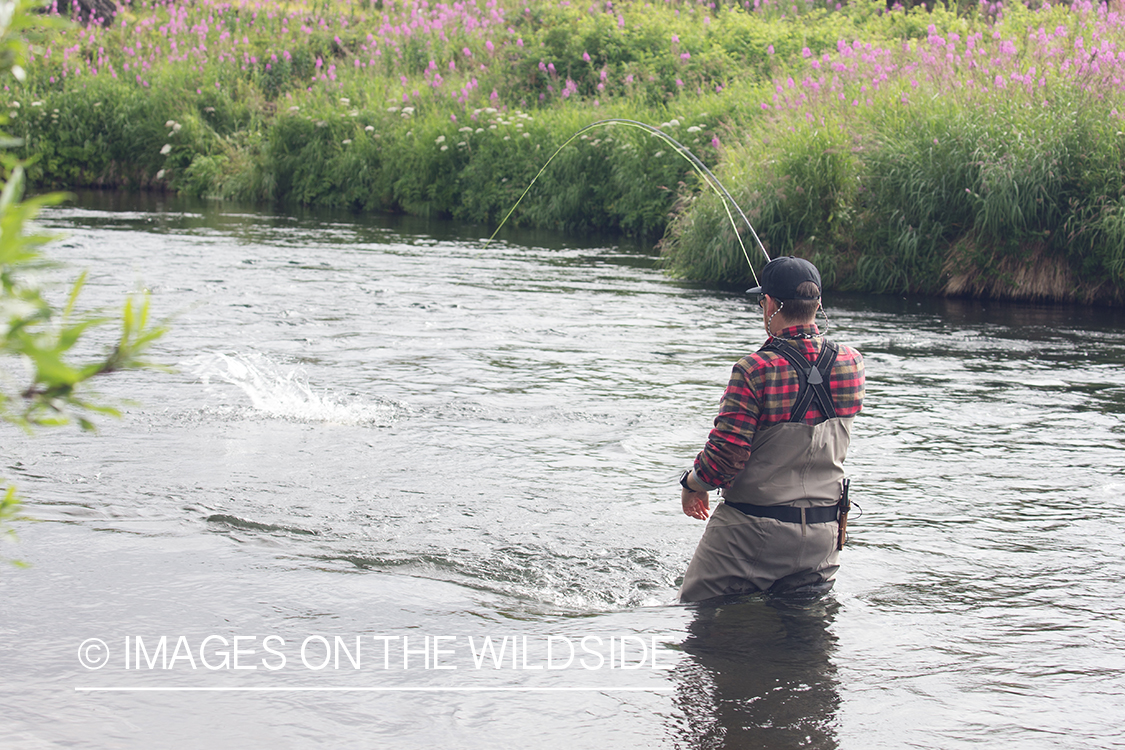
{"points": [[700, 169]]}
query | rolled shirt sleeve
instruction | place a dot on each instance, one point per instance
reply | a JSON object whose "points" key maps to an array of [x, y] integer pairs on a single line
{"points": [[728, 445]]}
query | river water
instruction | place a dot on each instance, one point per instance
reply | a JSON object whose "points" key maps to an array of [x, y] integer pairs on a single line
{"points": [[388, 447]]}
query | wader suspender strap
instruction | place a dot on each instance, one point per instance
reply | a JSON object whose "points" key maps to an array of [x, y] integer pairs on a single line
{"points": [[813, 378]]}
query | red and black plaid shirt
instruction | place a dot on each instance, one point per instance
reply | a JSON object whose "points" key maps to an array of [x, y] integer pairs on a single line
{"points": [[763, 387]]}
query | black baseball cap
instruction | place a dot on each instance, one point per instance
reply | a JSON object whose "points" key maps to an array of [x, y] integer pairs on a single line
{"points": [[781, 277]]}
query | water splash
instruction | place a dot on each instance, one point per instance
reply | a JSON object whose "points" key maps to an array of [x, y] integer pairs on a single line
{"points": [[285, 393]]}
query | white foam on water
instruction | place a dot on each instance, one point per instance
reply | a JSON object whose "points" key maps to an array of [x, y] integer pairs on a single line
{"points": [[285, 392]]}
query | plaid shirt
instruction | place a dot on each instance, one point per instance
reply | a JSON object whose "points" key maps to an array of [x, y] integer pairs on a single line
{"points": [[761, 392]]}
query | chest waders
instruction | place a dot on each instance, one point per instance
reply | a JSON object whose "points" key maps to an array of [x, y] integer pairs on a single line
{"points": [[813, 377], [795, 473], [777, 534]]}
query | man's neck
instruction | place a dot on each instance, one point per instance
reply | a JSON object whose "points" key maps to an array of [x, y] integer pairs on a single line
{"points": [[780, 324]]}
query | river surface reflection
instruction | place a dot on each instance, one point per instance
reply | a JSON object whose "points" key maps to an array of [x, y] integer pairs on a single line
{"points": [[387, 444]]}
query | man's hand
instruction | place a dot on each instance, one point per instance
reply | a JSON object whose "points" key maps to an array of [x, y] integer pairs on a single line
{"points": [[696, 504]]}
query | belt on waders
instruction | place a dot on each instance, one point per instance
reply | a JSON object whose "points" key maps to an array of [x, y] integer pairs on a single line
{"points": [[788, 513]]}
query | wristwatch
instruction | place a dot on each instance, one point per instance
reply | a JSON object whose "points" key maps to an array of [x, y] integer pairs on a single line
{"points": [[684, 482]]}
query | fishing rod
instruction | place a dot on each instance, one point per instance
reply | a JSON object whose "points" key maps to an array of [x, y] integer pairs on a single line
{"points": [[700, 169]]}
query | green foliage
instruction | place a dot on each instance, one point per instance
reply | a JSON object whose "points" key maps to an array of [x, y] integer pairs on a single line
{"points": [[799, 189], [939, 175], [906, 185], [36, 336], [237, 138], [9, 514], [913, 23], [1109, 236], [475, 168], [1004, 176], [103, 134], [917, 173], [854, 135]]}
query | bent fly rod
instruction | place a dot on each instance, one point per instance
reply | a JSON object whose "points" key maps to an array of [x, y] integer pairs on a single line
{"points": [[700, 169]]}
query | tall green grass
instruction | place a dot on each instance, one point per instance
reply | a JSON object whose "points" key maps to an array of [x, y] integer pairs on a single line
{"points": [[798, 188], [881, 203], [911, 185], [855, 137], [276, 129]]}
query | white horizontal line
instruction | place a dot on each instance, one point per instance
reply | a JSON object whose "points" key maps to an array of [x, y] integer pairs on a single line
{"points": [[372, 689]]}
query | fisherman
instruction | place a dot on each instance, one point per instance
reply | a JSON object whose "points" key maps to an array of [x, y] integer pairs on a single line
{"points": [[777, 451]]}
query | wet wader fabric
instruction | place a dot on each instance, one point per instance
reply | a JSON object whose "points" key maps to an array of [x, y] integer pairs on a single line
{"points": [[791, 464], [741, 554]]}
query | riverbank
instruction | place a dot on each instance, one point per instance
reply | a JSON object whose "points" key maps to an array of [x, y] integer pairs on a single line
{"points": [[902, 151]]}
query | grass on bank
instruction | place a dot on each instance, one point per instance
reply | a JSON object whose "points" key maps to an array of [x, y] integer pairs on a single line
{"points": [[1002, 179], [895, 149]]}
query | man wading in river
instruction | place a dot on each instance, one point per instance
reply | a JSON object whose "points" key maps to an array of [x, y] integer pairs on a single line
{"points": [[777, 451]]}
